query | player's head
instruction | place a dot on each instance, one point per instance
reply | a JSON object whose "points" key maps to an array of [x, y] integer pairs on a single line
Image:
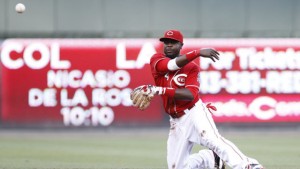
{"points": [[173, 42]]}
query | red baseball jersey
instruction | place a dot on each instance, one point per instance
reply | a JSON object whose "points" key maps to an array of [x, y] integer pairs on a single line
{"points": [[185, 77]]}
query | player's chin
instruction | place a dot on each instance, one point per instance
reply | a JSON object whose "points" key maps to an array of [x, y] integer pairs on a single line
{"points": [[170, 55]]}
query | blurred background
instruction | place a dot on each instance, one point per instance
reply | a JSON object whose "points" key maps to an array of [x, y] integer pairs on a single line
{"points": [[71, 65], [103, 48], [149, 19]]}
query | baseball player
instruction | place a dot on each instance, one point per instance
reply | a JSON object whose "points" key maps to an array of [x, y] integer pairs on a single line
{"points": [[177, 82]]}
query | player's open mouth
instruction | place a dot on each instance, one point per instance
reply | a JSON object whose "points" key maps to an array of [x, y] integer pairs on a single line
{"points": [[169, 51]]}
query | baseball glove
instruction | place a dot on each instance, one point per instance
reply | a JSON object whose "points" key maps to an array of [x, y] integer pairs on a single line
{"points": [[140, 99]]}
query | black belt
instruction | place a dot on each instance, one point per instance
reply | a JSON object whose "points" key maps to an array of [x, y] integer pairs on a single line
{"points": [[181, 113]]}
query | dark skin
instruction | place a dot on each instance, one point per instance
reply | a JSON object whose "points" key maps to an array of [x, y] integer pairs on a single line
{"points": [[172, 50]]}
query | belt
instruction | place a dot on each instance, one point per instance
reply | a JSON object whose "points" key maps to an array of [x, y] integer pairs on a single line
{"points": [[181, 113]]}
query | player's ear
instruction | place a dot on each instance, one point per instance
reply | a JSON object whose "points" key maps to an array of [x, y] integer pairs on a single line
{"points": [[181, 44]]}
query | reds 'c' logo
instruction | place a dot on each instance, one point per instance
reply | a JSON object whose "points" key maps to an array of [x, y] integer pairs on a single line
{"points": [[180, 79], [169, 33]]}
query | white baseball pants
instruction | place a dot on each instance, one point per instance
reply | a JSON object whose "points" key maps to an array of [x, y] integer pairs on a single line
{"points": [[197, 126]]}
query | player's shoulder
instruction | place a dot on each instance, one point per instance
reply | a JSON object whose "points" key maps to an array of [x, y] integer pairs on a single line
{"points": [[157, 56]]}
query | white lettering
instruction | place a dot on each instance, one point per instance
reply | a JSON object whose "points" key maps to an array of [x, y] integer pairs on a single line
{"points": [[103, 116], [244, 82], [256, 108], [122, 63], [232, 108], [29, 59], [45, 56], [76, 78], [78, 98], [77, 116], [7, 61], [56, 63], [225, 62], [88, 79], [37, 97], [244, 54], [145, 55], [112, 97], [210, 82], [283, 82], [250, 58], [143, 58], [262, 108], [121, 78]]}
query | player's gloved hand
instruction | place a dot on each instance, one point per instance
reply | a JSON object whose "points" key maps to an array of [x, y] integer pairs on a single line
{"points": [[140, 99], [141, 96]]}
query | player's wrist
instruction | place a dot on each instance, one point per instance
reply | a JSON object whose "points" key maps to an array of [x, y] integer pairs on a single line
{"points": [[157, 90], [167, 91], [192, 55]]}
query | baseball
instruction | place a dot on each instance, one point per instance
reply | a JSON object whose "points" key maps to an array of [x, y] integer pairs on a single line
{"points": [[20, 8]]}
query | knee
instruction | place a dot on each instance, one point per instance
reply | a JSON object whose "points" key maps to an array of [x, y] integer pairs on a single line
{"points": [[212, 143], [194, 162], [202, 160]]}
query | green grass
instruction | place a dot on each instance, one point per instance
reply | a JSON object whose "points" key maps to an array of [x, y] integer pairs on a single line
{"points": [[129, 149]]}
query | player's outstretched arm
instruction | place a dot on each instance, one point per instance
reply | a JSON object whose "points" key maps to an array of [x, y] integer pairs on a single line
{"points": [[207, 53], [141, 96], [181, 94]]}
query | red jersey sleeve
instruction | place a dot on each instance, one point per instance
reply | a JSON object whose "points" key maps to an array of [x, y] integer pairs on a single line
{"points": [[159, 64], [192, 80]]}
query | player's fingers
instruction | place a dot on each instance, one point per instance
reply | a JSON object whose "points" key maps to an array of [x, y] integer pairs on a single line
{"points": [[216, 52], [133, 93], [131, 96], [140, 105], [143, 104], [213, 50], [139, 100], [135, 98], [216, 56], [212, 58]]}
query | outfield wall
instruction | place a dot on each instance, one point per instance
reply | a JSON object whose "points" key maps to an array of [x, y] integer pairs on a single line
{"points": [[87, 82]]}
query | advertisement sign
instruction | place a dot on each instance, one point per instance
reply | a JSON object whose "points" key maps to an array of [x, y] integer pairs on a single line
{"points": [[87, 82], [256, 80], [75, 82]]}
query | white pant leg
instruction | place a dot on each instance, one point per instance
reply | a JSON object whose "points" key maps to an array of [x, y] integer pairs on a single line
{"points": [[204, 159], [178, 146], [210, 137]]}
